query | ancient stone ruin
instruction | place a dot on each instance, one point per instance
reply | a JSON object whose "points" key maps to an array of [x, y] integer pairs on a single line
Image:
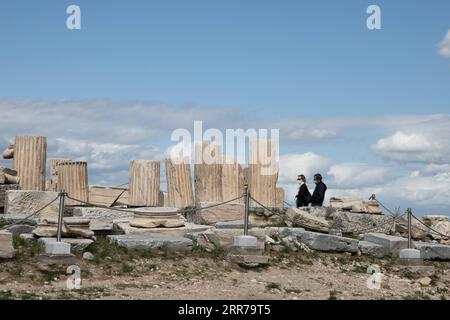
{"points": [[203, 206]]}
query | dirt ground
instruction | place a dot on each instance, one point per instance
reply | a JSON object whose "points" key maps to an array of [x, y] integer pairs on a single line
{"points": [[118, 274]]}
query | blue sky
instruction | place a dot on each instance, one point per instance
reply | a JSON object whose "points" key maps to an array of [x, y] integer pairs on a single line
{"points": [[269, 63], [309, 58]]}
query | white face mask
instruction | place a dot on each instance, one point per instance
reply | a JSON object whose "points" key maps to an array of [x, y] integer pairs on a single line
{"points": [[300, 182]]}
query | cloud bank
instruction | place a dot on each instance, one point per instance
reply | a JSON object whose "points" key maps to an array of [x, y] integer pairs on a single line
{"points": [[406, 157], [444, 46]]}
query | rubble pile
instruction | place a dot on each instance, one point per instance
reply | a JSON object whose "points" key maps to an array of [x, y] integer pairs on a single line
{"points": [[71, 227], [355, 205]]}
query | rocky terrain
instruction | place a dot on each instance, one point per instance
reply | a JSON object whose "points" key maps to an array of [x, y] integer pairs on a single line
{"points": [[111, 272]]}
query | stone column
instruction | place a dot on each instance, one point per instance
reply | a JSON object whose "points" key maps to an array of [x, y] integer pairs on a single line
{"points": [[179, 183], [280, 198], [208, 172], [144, 183], [232, 180], [262, 172], [30, 154], [73, 179], [52, 179]]}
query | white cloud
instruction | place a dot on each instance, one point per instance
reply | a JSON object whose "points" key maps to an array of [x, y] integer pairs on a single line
{"points": [[410, 147], [425, 190], [311, 134], [108, 135], [420, 190], [107, 162], [403, 142], [433, 168], [308, 164], [423, 140], [355, 175], [444, 46], [342, 179]]}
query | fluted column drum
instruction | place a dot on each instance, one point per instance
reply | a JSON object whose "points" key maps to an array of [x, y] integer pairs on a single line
{"points": [[144, 183], [208, 172], [262, 172], [30, 153], [179, 183], [73, 179], [232, 180], [52, 178]]}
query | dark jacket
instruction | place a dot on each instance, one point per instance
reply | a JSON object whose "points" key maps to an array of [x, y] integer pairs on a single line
{"points": [[303, 194], [318, 194]]}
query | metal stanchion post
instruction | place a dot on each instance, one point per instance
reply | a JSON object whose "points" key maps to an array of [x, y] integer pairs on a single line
{"points": [[409, 212], [61, 214], [247, 204]]}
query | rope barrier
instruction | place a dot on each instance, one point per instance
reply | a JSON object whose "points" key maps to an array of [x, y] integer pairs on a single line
{"points": [[193, 209], [99, 206], [121, 185], [289, 204], [29, 216], [132, 210], [270, 210]]}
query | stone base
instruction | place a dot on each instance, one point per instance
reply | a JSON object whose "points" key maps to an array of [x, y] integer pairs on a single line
{"points": [[410, 257], [55, 248], [247, 251], [409, 254], [144, 241], [245, 241]]}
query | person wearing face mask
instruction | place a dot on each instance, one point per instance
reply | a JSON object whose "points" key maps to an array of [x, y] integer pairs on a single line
{"points": [[319, 192], [302, 198]]}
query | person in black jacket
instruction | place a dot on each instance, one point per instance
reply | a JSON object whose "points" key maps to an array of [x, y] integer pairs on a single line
{"points": [[302, 198], [319, 192]]}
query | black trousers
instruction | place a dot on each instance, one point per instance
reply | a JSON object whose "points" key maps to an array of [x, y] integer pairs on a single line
{"points": [[301, 203]]}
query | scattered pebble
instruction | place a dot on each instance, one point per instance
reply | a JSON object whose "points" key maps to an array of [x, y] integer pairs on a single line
{"points": [[88, 256], [424, 282]]}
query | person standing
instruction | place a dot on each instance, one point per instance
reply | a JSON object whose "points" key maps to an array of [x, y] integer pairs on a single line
{"points": [[319, 192], [303, 195]]}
